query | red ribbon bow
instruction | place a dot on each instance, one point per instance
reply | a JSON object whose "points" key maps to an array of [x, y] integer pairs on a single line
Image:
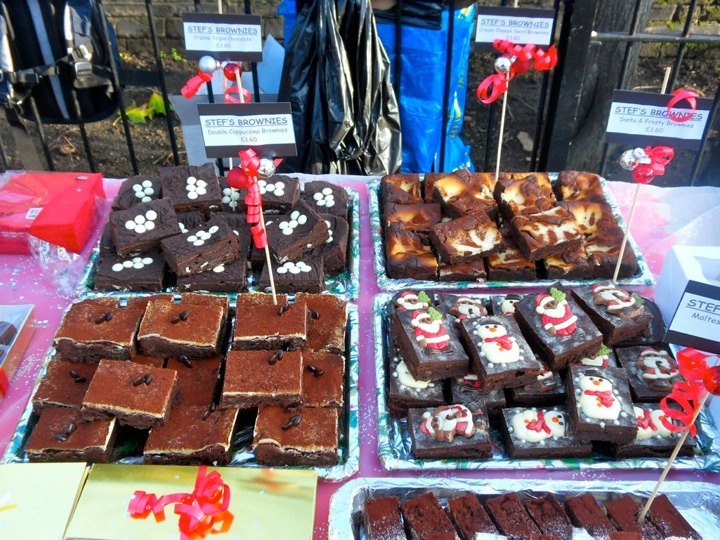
{"points": [[232, 95], [650, 162], [606, 396], [202, 512], [245, 176], [692, 365], [539, 424], [682, 95]]}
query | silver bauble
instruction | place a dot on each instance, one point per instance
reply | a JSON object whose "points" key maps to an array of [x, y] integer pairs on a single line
{"points": [[628, 160], [503, 64], [207, 64], [267, 168]]}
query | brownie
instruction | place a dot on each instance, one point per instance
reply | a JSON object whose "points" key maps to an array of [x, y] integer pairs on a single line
{"points": [[652, 371], [381, 519], [429, 181], [302, 275], [559, 331], [425, 518], [511, 517], [190, 220], [461, 307], [464, 192], [406, 392], [192, 435], [505, 304], [107, 244], [654, 333], [193, 327], [296, 437], [548, 389], [250, 301], [153, 361], [576, 185], [63, 385], [326, 322], [600, 405], [586, 513], [412, 217], [428, 344], [546, 233], [137, 189], [530, 194], [449, 432], [300, 231], [61, 434], [466, 271], [509, 264], [571, 264], [191, 187], [232, 200], [138, 396], [603, 251], [402, 188], [142, 227], [623, 511], [271, 327], [334, 251], [197, 379], [466, 238], [549, 515], [323, 379], [590, 216], [498, 353], [144, 272], [226, 277], [279, 193], [469, 389], [254, 378], [601, 358], [665, 517], [326, 198], [618, 314], [406, 256], [545, 433], [98, 328], [469, 516]]}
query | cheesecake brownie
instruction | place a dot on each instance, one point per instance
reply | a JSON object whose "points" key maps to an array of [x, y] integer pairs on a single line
{"points": [[466, 238], [665, 517], [142, 227], [653, 438], [529, 194], [298, 232], [603, 251], [464, 192], [254, 378], [652, 371], [197, 379], [382, 520], [98, 328], [63, 385], [545, 233], [571, 264], [296, 437], [192, 434], [144, 272], [511, 517], [271, 327], [466, 271], [509, 264], [469, 516], [327, 319], [334, 251], [623, 511], [227, 277], [402, 188], [323, 379], [61, 434], [326, 198], [449, 432], [138, 396], [406, 256], [576, 185], [418, 218], [549, 515], [279, 193], [546, 390], [425, 518], [586, 513], [406, 392], [137, 189], [191, 187], [305, 274]]}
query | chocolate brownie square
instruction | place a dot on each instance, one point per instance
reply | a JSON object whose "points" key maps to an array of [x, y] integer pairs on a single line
{"points": [[425, 518], [548, 389], [63, 385], [98, 328], [302, 275], [61, 434], [232, 200], [449, 432], [279, 193], [137, 189], [586, 513], [226, 277], [498, 352], [619, 314], [407, 256], [381, 519], [466, 238], [193, 327], [601, 358], [600, 405], [590, 216], [623, 511], [546, 233], [509, 264], [291, 235], [271, 327], [138, 396], [549, 515], [144, 272], [559, 331], [511, 517], [654, 333], [463, 192], [192, 435], [505, 304], [406, 392], [190, 220], [326, 198], [665, 517], [412, 217], [254, 378], [191, 187], [402, 188], [572, 264], [250, 301], [652, 371], [544, 433], [334, 251], [469, 516], [296, 437], [530, 194], [197, 379], [326, 322], [469, 389], [461, 307], [152, 361], [466, 271], [323, 379], [576, 185], [603, 250], [142, 227]]}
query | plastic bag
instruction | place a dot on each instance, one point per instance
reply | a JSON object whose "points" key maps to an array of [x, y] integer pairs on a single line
{"points": [[420, 13]]}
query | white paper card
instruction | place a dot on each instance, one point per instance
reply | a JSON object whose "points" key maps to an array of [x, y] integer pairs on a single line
{"points": [[521, 26]]}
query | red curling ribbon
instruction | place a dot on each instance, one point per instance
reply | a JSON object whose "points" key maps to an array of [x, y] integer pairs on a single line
{"points": [[232, 95], [682, 95], [253, 214], [194, 83], [492, 88], [249, 162], [253, 197], [259, 236], [659, 157], [686, 395], [545, 60]]}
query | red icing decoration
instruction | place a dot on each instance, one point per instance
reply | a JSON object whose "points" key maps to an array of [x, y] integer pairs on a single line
{"points": [[646, 422], [231, 71], [539, 424], [505, 341], [194, 83], [605, 396], [682, 95]]}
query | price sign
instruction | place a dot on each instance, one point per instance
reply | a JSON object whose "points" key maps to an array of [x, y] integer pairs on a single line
{"points": [[267, 128], [518, 25], [636, 116], [224, 37], [696, 322]]}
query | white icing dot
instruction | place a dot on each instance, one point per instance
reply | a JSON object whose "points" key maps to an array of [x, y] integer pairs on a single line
{"points": [[183, 228], [200, 191], [146, 184], [140, 229], [191, 181], [146, 199], [137, 187], [138, 265], [302, 219], [294, 215], [283, 225], [327, 191], [192, 195], [282, 270], [201, 183], [213, 229], [149, 225], [287, 232], [117, 267], [151, 215], [235, 196], [293, 223], [294, 269], [191, 238], [317, 196], [139, 220], [198, 243], [321, 202], [127, 264], [219, 268], [147, 260], [149, 191], [130, 225]]}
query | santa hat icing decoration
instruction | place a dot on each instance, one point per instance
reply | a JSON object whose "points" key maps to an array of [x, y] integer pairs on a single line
{"points": [[556, 316]]}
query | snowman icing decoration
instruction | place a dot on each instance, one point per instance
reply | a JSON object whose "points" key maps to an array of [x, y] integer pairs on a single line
{"points": [[597, 398], [496, 345], [650, 424], [536, 426]]}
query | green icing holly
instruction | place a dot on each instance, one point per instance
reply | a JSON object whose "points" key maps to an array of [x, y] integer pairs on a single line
{"points": [[423, 297], [557, 294], [435, 315]]}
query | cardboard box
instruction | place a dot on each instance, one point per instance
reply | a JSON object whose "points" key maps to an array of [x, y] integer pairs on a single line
{"points": [[16, 329]]}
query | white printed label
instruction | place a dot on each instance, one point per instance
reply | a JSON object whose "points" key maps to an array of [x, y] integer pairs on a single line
{"points": [[222, 37], [257, 130], [697, 316], [653, 121], [519, 30]]}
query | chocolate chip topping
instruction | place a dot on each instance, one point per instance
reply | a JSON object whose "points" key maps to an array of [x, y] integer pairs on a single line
{"points": [[74, 374], [294, 421], [283, 309], [70, 428], [107, 316], [147, 379], [316, 370], [185, 361], [138, 381], [80, 379], [62, 437], [314, 314], [275, 357], [182, 316], [209, 411]]}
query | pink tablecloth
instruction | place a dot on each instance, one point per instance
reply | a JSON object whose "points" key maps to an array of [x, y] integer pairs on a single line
{"points": [[664, 218]]}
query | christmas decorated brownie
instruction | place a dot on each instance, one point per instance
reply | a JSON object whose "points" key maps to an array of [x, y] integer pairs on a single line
{"points": [[382, 520], [467, 271], [279, 193], [296, 437], [406, 392], [461, 307], [197, 379], [98, 328], [652, 371], [541, 433], [603, 251], [323, 379], [511, 517], [63, 385], [665, 517], [545, 233], [623, 512], [547, 389], [191, 187], [305, 274], [412, 217], [225, 277], [469, 516], [449, 431], [425, 518], [193, 434], [326, 198], [402, 188], [463, 192], [137, 189], [469, 389], [576, 185], [295, 233], [142, 227], [653, 438], [271, 327], [410, 300], [549, 515], [571, 264], [586, 513], [61, 434], [505, 304], [326, 322], [601, 358], [499, 354], [558, 329], [334, 251], [600, 405], [655, 333], [465, 238], [144, 272], [618, 314], [407, 256]]}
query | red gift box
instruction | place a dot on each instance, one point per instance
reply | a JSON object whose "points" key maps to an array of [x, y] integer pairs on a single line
{"points": [[59, 208]]}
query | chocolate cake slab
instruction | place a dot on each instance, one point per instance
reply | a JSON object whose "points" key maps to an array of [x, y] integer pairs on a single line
{"points": [[197, 379], [589, 215], [449, 432], [61, 434], [382, 520], [603, 251], [572, 264], [63, 385], [298, 232], [141, 228], [144, 272], [323, 379], [469, 389], [652, 371], [191, 187], [546, 390], [665, 517], [425, 518], [227, 277], [416, 218], [469, 516], [334, 251], [192, 435], [326, 323], [545, 233], [463, 192], [406, 392], [466, 238], [326, 198], [302, 275], [527, 194], [271, 327], [406, 256], [279, 193], [138, 396], [509, 264], [499, 354], [585, 512], [137, 189], [600, 405], [190, 220], [467, 271], [401, 188], [549, 515], [510, 516], [623, 511]]}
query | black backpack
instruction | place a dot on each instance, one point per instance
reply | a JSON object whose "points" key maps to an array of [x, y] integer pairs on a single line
{"points": [[55, 52]]}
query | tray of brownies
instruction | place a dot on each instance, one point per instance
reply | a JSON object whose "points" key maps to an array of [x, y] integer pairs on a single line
{"points": [[194, 378], [379, 508], [186, 230], [463, 230], [564, 378]]}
